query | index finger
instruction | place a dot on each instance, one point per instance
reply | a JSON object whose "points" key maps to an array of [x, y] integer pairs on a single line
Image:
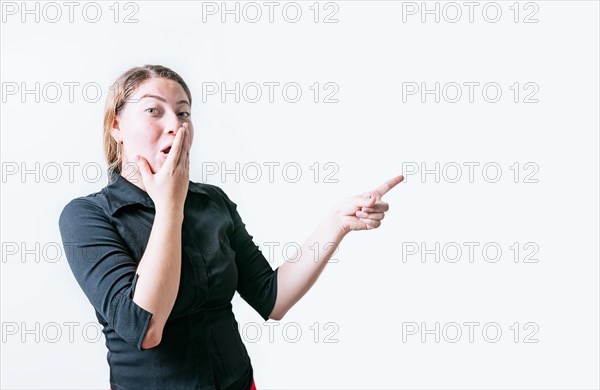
{"points": [[175, 153], [184, 146], [388, 185]]}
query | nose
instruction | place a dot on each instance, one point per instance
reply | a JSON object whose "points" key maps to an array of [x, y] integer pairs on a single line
{"points": [[173, 124]]}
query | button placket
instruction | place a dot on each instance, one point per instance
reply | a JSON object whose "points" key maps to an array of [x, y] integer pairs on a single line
{"points": [[196, 260]]}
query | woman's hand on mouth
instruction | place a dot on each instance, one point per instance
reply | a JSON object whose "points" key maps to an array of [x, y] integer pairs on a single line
{"points": [[168, 187]]}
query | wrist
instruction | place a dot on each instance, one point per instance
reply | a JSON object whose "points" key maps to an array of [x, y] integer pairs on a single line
{"points": [[333, 224], [170, 212]]}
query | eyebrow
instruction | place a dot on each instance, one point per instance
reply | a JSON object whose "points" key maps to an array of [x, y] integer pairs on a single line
{"points": [[163, 99]]}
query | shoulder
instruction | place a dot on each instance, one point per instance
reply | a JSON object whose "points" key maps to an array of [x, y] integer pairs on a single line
{"points": [[211, 190], [83, 207], [215, 193]]}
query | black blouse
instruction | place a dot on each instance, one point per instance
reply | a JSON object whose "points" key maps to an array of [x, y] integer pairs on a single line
{"points": [[105, 235]]}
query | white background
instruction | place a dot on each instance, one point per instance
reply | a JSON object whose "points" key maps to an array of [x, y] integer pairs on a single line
{"points": [[370, 135]]}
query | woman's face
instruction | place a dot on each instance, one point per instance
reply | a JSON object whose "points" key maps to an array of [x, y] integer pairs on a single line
{"points": [[149, 121]]}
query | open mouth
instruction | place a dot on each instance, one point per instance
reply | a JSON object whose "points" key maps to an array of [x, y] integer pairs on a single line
{"points": [[166, 150]]}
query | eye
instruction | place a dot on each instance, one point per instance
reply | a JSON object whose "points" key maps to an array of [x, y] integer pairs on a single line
{"points": [[187, 114], [152, 108]]}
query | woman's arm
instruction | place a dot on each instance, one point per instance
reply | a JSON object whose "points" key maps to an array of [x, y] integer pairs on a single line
{"points": [[294, 279], [361, 212], [159, 273], [159, 269]]}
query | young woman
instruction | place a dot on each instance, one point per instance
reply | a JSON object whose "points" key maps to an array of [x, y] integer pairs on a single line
{"points": [[160, 257]]}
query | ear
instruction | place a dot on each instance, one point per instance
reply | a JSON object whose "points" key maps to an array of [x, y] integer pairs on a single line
{"points": [[116, 131]]}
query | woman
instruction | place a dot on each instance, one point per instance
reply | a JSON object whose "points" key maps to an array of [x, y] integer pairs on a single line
{"points": [[160, 257]]}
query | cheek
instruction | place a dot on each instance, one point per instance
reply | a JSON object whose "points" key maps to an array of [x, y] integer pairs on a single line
{"points": [[143, 139]]}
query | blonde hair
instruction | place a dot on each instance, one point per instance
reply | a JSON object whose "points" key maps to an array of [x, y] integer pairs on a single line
{"points": [[120, 92]]}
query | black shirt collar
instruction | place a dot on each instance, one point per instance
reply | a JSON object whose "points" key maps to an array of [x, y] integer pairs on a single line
{"points": [[121, 192]]}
